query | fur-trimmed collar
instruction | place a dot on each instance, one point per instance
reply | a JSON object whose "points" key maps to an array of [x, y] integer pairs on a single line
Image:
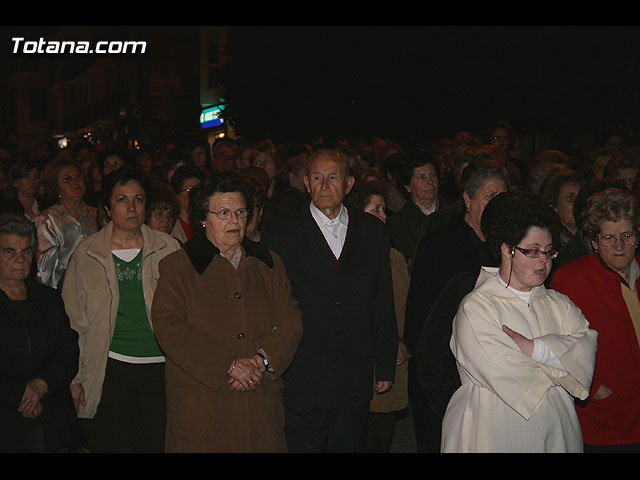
{"points": [[201, 251]]}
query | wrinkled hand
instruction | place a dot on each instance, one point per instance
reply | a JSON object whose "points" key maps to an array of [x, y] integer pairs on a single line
{"points": [[602, 393], [77, 393], [30, 406], [246, 373], [403, 353], [524, 344], [383, 386]]}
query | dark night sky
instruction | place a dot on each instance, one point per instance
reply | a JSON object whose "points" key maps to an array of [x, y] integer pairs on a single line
{"points": [[430, 81], [421, 82]]}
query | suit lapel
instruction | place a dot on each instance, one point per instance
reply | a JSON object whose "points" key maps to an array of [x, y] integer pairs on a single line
{"points": [[314, 238]]}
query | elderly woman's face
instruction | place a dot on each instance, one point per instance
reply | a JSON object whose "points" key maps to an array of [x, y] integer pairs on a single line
{"points": [[483, 195], [161, 219], [127, 206], [612, 244], [15, 258], [71, 183], [226, 234], [527, 272]]}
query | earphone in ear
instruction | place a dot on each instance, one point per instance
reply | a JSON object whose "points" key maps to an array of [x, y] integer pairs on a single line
{"points": [[513, 251]]}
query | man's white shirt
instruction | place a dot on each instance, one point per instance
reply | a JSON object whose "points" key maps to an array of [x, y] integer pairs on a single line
{"points": [[334, 230]]}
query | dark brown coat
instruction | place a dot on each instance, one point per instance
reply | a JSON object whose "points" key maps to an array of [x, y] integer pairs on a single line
{"points": [[205, 314]]}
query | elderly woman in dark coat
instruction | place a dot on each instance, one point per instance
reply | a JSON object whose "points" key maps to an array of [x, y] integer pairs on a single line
{"points": [[225, 317], [38, 351]]}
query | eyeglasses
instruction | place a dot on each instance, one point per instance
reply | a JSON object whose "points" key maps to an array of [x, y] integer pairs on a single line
{"points": [[630, 238], [569, 198], [499, 137], [627, 181], [225, 213], [70, 178], [537, 253]]}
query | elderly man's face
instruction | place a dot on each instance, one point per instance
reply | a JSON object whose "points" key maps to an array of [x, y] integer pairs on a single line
{"points": [[15, 258], [328, 184]]}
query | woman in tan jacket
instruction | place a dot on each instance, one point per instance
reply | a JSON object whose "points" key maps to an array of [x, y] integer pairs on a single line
{"points": [[108, 292], [225, 317]]}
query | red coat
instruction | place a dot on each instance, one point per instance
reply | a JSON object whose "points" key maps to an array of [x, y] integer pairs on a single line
{"points": [[597, 292]]}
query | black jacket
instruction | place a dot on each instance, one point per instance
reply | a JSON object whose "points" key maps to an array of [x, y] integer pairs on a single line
{"points": [[440, 255], [347, 309], [41, 345]]}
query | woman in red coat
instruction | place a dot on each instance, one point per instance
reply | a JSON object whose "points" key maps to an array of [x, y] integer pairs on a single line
{"points": [[604, 285]]}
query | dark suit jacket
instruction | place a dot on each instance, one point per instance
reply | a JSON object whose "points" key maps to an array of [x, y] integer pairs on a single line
{"points": [[347, 309]]}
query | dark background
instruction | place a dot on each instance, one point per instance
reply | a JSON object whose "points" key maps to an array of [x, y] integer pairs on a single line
{"points": [[418, 83], [557, 85]]}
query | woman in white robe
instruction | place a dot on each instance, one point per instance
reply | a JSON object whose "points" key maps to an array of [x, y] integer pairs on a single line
{"points": [[523, 352]]}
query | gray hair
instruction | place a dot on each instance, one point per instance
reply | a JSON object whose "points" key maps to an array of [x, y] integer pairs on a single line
{"points": [[479, 171], [611, 205], [12, 224]]}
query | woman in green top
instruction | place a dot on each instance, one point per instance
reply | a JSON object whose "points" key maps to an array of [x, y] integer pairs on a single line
{"points": [[108, 291]]}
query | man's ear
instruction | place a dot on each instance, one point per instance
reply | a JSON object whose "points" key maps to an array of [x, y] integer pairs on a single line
{"points": [[350, 183], [306, 183]]}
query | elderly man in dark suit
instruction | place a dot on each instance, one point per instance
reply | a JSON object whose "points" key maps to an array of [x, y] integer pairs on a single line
{"points": [[337, 260]]}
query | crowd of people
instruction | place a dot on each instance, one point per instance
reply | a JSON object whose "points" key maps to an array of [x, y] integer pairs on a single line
{"points": [[247, 296]]}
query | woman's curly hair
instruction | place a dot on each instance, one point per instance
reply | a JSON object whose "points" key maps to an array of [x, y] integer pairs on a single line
{"points": [[508, 217], [611, 205]]}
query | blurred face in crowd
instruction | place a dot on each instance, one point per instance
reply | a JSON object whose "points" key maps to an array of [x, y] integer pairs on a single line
{"points": [[127, 206], [626, 176], [224, 158], [376, 206], [84, 160], [423, 185], [161, 219], [265, 162], [15, 259], [527, 273], [599, 164], [183, 196], [71, 184], [226, 234], [500, 137], [613, 251], [199, 156], [564, 206], [111, 163], [29, 184], [327, 183]]}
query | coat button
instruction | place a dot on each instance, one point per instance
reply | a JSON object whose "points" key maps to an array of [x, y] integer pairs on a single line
{"points": [[241, 336], [237, 295]]}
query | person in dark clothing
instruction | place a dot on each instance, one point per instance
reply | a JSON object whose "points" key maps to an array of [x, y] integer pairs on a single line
{"points": [[38, 352], [337, 260], [457, 247]]}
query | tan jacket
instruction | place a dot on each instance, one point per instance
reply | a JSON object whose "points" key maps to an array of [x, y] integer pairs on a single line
{"points": [[91, 297]]}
